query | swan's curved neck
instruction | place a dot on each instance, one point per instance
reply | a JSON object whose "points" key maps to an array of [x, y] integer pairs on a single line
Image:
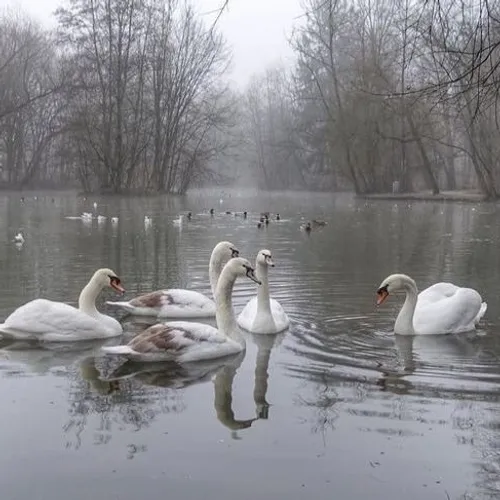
{"points": [[404, 321], [88, 296], [224, 314], [263, 300], [214, 269]]}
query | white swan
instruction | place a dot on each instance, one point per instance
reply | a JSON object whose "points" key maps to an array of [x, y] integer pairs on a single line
{"points": [[183, 341], [442, 308], [43, 319], [19, 238], [263, 314], [180, 303]]}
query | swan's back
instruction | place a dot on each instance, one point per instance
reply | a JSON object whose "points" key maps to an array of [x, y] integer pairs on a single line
{"points": [[171, 303], [275, 322], [448, 309], [437, 291], [56, 321], [180, 341]]}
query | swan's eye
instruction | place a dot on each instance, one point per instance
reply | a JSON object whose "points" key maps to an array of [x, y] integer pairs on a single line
{"points": [[234, 252], [382, 290]]}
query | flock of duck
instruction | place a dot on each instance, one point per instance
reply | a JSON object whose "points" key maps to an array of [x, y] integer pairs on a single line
{"points": [[263, 221], [442, 308]]}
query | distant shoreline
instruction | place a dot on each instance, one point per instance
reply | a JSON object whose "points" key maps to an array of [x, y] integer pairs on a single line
{"points": [[463, 196]]}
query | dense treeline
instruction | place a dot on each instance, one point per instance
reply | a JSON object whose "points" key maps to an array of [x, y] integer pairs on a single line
{"points": [[124, 95], [383, 92], [132, 95]]}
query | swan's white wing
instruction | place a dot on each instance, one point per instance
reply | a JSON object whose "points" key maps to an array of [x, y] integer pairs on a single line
{"points": [[172, 303], [437, 292], [188, 301], [279, 315], [457, 312], [52, 321], [263, 323], [180, 341], [247, 315]]}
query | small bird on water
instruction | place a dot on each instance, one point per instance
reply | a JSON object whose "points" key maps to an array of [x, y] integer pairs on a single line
{"points": [[19, 238]]}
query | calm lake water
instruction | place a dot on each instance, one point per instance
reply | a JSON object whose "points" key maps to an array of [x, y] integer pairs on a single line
{"points": [[336, 408]]}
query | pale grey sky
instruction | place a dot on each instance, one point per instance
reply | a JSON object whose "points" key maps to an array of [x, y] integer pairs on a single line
{"points": [[257, 30]]}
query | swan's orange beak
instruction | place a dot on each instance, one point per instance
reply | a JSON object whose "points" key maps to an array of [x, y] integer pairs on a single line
{"points": [[382, 294], [116, 284]]}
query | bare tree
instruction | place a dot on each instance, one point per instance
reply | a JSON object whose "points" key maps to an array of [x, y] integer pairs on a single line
{"points": [[187, 61], [30, 108]]}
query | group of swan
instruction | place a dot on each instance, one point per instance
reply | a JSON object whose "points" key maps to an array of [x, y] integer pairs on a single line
{"points": [[179, 303], [182, 341], [440, 309], [185, 341]]}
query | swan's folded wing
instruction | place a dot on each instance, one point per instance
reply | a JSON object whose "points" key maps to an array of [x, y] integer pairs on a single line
{"points": [[188, 298], [153, 300], [175, 337], [279, 315], [247, 315], [173, 303], [452, 314], [437, 292], [42, 317]]}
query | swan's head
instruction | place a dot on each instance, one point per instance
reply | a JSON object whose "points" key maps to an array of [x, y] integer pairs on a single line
{"points": [[264, 258], [107, 277], [226, 250], [242, 267], [392, 284]]}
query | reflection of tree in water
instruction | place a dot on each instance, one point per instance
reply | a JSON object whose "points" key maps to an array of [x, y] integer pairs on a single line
{"points": [[460, 373], [128, 402], [323, 405], [477, 425]]}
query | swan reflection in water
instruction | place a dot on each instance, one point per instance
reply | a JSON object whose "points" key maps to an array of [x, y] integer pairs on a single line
{"points": [[42, 357], [222, 371], [462, 357], [101, 389]]}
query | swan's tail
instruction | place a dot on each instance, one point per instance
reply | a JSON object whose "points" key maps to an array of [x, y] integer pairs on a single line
{"points": [[124, 350], [123, 305], [481, 313]]}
